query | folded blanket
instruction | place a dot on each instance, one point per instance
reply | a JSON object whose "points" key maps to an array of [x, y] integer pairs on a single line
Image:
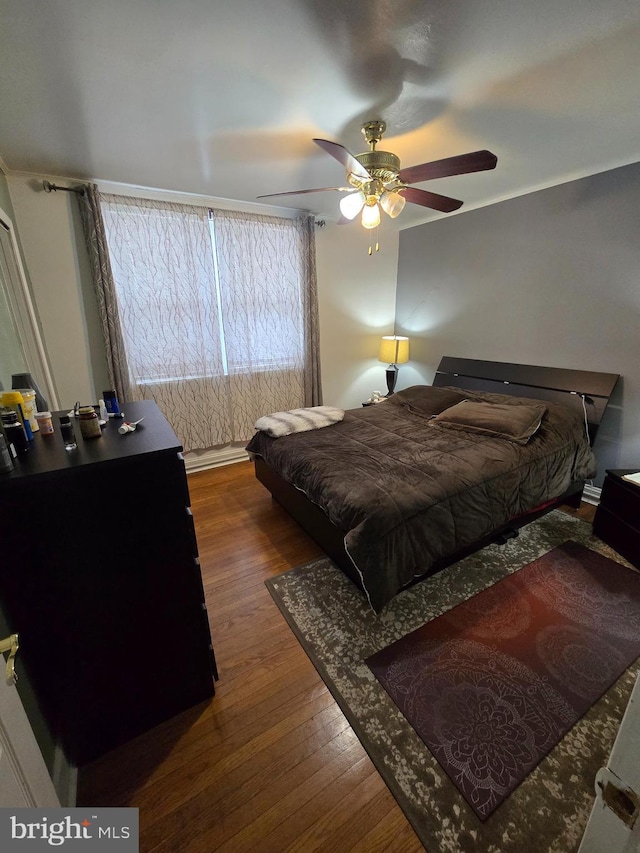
{"points": [[298, 420]]}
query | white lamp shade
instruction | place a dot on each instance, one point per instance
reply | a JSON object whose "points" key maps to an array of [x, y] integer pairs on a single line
{"points": [[371, 215], [392, 203], [352, 204], [394, 349]]}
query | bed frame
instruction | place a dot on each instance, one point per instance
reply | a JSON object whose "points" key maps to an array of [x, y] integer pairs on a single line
{"points": [[570, 387]]}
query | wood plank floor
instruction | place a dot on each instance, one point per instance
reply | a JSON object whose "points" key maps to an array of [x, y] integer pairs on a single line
{"points": [[270, 763]]}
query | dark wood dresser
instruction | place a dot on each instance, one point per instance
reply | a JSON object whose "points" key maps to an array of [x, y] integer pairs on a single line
{"points": [[99, 575], [617, 519]]}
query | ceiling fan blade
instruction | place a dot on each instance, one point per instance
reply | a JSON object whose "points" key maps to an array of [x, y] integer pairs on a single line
{"points": [[433, 200], [345, 157], [462, 164], [299, 192]]}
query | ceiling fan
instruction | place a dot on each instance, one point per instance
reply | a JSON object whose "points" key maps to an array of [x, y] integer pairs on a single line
{"points": [[376, 180]]}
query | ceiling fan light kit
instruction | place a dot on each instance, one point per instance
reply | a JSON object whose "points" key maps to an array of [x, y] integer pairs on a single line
{"points": [[392, 203], [352, 204], [371, 213], [377, 181]]}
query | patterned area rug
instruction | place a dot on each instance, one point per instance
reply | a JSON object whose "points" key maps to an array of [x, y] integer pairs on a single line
{"points": [[495, 683], [338, 630]]}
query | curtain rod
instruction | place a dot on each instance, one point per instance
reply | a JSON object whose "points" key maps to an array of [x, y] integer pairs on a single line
{"points": [[52, 188]]}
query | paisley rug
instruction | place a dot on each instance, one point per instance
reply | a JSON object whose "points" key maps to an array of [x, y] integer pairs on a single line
{"points": [[495, 683], [548, 811]]}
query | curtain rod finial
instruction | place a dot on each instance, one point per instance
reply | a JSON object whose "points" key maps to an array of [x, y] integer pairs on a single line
{"points": [[52, 188]]}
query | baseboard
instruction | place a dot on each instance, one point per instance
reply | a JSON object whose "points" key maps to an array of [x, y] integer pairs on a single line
{"points": [[591, 495], [201, 461]]}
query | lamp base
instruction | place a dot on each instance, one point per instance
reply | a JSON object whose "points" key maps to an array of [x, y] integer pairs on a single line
{"points": [[392, 376]]}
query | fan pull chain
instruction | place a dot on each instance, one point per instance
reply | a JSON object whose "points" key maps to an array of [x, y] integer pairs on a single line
{"points": [[377, 243]]}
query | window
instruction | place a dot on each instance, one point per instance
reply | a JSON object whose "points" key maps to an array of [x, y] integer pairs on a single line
{"points": [[214, 310]]}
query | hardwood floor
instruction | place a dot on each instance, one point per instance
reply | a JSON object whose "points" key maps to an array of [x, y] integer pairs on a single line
{"points": [[270, 763]]}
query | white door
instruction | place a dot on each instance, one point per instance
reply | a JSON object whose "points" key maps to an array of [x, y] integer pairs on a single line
{"points": [[24, 779], [614, 825]]}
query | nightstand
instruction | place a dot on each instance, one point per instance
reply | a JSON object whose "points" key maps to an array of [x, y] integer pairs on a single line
{"points": [[617, 519]]}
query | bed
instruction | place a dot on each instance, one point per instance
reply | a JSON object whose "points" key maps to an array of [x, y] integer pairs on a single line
{"points": [[400, 489]]}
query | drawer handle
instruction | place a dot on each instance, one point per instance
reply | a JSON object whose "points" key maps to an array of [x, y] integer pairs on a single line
{"points": [[10, 644]]}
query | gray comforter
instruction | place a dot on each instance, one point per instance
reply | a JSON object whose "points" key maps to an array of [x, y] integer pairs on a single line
{"points": [[408, 492]]}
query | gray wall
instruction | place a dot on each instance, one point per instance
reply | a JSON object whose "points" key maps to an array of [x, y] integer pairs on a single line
{"points": [[550, 278]]}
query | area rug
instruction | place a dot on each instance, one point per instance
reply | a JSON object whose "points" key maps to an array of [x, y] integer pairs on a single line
{"points": [[548, 811], [495, 683]]}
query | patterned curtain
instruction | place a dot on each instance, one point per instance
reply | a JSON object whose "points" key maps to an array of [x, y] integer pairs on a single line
{"points": [[312, 377], [270, 320], [96, 241], [217, 313]]}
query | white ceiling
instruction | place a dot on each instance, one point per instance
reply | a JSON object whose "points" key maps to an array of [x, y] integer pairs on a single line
{"points": [[224, 98]]}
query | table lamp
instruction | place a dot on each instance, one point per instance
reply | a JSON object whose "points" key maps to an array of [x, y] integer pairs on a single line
{"points": [[394, 349]]}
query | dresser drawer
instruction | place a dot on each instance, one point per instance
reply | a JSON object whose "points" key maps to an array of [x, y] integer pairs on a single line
{"points": [[622, 537]]}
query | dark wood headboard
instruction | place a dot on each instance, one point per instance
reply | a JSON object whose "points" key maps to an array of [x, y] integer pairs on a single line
{"points": [[554, 384]]}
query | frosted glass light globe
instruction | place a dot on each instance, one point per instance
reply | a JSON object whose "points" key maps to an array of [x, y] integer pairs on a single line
{"points": [[392, 203], [371, 215], [352, 204]]}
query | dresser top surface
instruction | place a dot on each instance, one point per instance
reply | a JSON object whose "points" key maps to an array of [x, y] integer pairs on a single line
{"points": [[47, 454], [620, 472]]}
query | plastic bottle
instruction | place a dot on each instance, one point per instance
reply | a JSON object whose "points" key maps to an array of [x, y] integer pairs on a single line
{"points": [[14, 400], [25, 380], [25, 423], [45, 423], [11, 400], [14, 431], [29, 408]]}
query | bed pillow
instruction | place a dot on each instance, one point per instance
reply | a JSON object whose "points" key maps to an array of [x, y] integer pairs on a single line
{"points": [[425, 399], [514, 422]]}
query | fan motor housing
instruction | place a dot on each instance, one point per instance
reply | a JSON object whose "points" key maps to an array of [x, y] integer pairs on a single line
{"points": [[380, 164]]}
